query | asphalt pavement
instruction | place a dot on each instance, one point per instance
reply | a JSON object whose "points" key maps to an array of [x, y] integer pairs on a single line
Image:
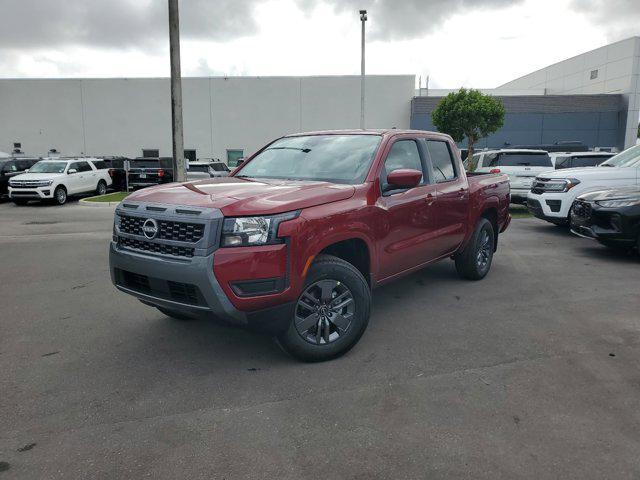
{"points": [[533, 372]]}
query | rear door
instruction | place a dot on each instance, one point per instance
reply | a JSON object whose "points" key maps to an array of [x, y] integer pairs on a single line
{"points": [[521, 167], [87, 176], [408, 214], [452, 190]]}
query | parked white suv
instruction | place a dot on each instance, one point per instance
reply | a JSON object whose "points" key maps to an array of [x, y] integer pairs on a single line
{"points": [[59, 178], [553, 193], [520, 165]]}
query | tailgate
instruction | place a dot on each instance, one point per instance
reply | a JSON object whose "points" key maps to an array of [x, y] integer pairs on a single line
{"points": [[522, 177], [149, 176]]}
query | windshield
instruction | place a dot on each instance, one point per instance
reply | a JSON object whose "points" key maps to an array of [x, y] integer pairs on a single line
{"points": [[48, 167], [628, 158], [520, 159], [330, 158]]}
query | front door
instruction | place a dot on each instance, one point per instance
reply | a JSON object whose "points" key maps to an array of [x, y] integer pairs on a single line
{"points": [[452, 197], [408, 218]]}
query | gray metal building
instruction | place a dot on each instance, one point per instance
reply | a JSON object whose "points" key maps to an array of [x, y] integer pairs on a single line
{"points": [[595, 120]]}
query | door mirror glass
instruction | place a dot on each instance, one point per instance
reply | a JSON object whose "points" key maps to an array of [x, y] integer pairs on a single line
{"points": [[403, 178], [72, 170]]}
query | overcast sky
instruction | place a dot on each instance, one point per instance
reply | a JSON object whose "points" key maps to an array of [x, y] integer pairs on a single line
{"points": [[476, 43]]}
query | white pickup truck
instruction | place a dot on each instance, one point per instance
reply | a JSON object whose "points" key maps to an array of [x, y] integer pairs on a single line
{"points": [[553, 193], [520, 165], [57, 179]]}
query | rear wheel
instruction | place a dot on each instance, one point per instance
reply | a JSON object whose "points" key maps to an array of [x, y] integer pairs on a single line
{"points": [[475, 260], [60, 195], [331, 313], [102, 188]]}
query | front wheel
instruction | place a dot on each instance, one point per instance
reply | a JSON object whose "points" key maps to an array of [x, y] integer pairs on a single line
{"points": [[60, 195], [331, 313], [475, 260]]}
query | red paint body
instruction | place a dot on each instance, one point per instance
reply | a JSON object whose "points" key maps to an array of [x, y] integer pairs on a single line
{"points": [[402, 232]]}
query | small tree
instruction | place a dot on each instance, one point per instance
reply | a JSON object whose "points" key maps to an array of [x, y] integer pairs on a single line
{"points": [[468, 113]]}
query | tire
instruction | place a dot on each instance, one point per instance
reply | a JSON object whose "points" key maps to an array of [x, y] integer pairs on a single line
{"points": [[474, 262], [101, 189], [19, 201], [60, 195], [176, 315], [332, 328]]}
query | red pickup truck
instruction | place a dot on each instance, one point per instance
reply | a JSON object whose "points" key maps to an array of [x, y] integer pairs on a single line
{"points": [[294, 241]]}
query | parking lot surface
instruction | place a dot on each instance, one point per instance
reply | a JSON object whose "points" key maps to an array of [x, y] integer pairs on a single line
{"points": [[532, 373]]}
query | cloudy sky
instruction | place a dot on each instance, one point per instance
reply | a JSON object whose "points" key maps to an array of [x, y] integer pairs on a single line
{"points": [[477, 43]]}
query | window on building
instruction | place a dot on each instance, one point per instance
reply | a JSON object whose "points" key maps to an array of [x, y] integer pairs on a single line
{"points": [[594, 74], [190, 155], [233, 156], [150, 152], [441, 160]]}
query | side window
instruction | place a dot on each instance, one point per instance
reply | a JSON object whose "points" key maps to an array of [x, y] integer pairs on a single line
{"points": [[84, 167], [75, 165], [11, 167], [403, 154], [100, 164], [22, 165], [441, 160], [562, 162]]}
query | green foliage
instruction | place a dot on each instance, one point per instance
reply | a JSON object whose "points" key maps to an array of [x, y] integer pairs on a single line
{"points": [[470, 114]]}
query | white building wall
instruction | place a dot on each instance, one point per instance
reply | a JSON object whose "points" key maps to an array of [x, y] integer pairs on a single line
{"points": [[618, 71], [122, 116]]}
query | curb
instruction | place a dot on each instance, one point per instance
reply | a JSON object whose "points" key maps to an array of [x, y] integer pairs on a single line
{"points": [[85, 203]]}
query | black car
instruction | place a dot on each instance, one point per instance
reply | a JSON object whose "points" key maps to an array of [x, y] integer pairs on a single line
{"points": [[612, 217], [116, 171], [144, 172], [12, 166]]}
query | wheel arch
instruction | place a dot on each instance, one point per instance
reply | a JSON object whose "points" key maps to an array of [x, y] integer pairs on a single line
{"points": [[355, 249]]}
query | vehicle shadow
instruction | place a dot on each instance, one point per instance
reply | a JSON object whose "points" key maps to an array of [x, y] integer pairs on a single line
{"points": [[610, 254]]}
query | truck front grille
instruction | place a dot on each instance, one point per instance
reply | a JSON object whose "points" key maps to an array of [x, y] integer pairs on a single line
{"points": [[167, 230], [581, 209], [151, 247]]}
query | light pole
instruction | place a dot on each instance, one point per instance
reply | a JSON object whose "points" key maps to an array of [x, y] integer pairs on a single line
{"points": [[363, 18], [179, 174]]}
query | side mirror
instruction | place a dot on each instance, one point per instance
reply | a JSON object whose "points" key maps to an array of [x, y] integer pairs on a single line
{"points": [[403, 178], [71, 170]]}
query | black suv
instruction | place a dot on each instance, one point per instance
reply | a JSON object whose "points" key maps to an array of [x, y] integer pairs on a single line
{"points": [[12, 166]]}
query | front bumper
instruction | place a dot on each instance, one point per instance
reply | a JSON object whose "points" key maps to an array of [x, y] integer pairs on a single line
{"points": [[31, 193], [605, 225], [552, 207], [519, 195], [154, 280]]}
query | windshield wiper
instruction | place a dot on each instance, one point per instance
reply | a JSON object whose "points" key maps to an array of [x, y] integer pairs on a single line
{"points": [[303, 150]]}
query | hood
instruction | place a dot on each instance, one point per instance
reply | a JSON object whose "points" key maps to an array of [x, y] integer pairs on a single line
{"points": [[239, 196], [591, 172], [611, 194], [37, 176]]}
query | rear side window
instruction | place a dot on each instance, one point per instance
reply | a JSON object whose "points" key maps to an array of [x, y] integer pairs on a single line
{"points": [[441, 160], [588, 160], [403, 154], [100, 164], [521, 159]]}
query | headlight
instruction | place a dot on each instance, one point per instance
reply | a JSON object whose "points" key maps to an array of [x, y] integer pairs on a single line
{"points": [[248, 231], [620, 202], [562, 185], [45, 183]]}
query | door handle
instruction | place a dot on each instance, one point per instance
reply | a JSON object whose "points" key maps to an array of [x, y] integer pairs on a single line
{"points": [[429, 199]]}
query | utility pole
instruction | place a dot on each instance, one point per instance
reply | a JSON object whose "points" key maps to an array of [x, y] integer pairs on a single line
{"points": [[179, 174], [363, 19]]}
